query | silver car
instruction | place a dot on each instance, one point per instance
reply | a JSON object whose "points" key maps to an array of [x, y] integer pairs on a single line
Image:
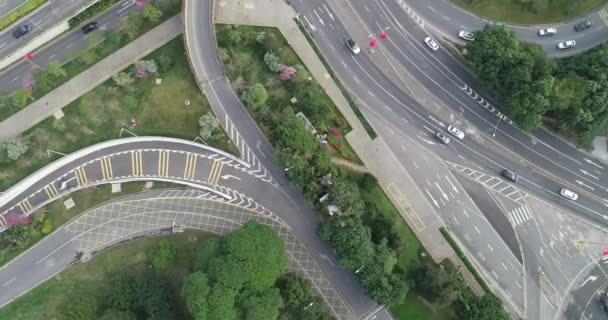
{"points": [[456, 132], [431, 43], [442, 137], [547, 32], [469, 36], [566, 44], [568, 194]]}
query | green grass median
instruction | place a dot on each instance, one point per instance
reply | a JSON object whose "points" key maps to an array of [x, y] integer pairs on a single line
{"points": [[20, 12], [465, 259]]}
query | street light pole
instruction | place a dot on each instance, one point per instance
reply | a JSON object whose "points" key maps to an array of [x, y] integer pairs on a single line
{"points": [[309, 305], [496, 126], [287, 169], [358, 270]]}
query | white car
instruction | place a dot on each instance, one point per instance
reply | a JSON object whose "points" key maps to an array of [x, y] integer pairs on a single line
{"points": [[547, 32], [566, 44], [568, 194], [455, 132], [431, 43], [469, 36], [353, 46]]}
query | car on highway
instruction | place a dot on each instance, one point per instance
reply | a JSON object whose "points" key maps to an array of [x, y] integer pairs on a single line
{"points": [[583, 25], [509, 175], [353, 46], [603, 300], [468, 36], [442, 137], [21, 31], [456, 132], [547, 32], [568, 194], [566, 44], [89, 27], [431, 43]]}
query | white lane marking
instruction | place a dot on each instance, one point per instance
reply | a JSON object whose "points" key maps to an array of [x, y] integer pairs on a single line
{"points": [[344, 63], [518, 285], [483, 258], [318, 17], [328, 12], [356, 80], [389, 108], [504, 266], [467, 237], [371, 93], [7, 283], [490, 247], [593, 163], [476, 229], [404, 120], [495, 274], [2, 45], [465, 213], [432, 9], [441, 190], [452, 184], [456, 220], [433, 199], [416, 165]]}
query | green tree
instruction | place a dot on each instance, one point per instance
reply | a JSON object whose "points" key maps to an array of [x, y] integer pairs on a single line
{"points": [[205, 252], [487, 307], [44, 81], [260, 252], [255, 96], [131, 26], [55, 69], [21, 97], [18, 234], [195, 291], [165, 62], [272, 61], [123, 79], [263, 306], [315, 310], [569, 92], [152, 13], [47, 226], [345, 194], [292, 134], [112, 37], [295, 290], [164, 254], [209, 126], [79, 308], [221, 303], [433, 282], [113, 314], [352, 242]]}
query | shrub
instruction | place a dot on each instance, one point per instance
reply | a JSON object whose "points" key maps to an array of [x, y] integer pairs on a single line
{"points": [[47, 226], [15, 147], [255, 96], [123, 79], [165, 62], [287, 72], [272, 61], [152, 13], [209, 126]]}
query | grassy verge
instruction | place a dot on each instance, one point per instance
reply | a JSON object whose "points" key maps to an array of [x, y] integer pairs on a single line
{"points": [[351, 103], [464, 259], [74, 65], [101, 114], [84, 199], [414, 308], [20, 12], [529, 12], [92, 278], [243, 58]]}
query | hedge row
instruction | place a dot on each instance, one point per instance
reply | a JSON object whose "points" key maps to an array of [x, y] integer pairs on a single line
{"points": [[20, 12]]}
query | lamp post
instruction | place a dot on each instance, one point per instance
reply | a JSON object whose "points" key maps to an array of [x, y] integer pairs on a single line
{"points": [[309, 305], [287, 169], [496, 126], [359, 270]]}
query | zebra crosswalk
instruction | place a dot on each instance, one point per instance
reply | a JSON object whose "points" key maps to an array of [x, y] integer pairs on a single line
{"points": [[520, 215]]}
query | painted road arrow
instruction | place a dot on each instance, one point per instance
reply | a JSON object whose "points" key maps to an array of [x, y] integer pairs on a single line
{"points": [[593, 163], [434, 201], [589, 174], [584, 185]]}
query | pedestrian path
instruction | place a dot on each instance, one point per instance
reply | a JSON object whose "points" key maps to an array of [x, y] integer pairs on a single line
{"points": [[520, 215], [87, 80]]}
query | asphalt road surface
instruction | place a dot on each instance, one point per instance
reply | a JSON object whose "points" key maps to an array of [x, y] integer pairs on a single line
{"points": [[449, 19], [152, 213], [6, 6]]}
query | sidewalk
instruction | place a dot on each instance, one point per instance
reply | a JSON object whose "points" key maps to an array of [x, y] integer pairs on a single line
{"points": [[376, 155], [90, 78]]}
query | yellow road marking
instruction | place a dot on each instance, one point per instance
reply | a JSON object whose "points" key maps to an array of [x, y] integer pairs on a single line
{"points": [[81, 176], [604, 15], [163, 163], [106, 168], [137, 164], [51, 191], [25, 206], [190, 168], [216, 170]]}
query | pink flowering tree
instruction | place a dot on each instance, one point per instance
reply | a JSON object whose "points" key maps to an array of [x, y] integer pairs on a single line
{"points": [[28, 82], [287, 72], [14, 218]]}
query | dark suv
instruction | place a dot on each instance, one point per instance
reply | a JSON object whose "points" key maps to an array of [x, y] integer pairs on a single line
{"points": [[91, 26], [21, 31], [509, 175], [583, 25]]}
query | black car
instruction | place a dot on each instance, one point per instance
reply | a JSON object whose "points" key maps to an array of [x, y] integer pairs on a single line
{"points": [[583, 25], [91, 26], [603, 300], [21, 31], [509, 175]]}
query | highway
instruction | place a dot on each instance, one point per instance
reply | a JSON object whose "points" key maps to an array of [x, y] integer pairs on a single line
{"points": [[6, 6], [544, 162], [405, 114], [447, 20]]}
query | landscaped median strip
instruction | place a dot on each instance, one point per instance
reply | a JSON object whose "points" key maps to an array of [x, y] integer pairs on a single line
{"points": [[465, 259], [348, 98], [20, 12]]}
